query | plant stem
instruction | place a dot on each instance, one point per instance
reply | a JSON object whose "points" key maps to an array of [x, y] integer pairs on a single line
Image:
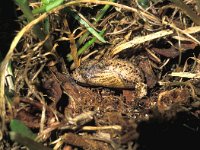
{"points": [[188, 10]]}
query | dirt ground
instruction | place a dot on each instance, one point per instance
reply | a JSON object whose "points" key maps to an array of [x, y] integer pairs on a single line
{"points": [[134, 86]]}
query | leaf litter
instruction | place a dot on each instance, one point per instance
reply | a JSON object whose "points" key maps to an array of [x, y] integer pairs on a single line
{"points": [[163, 40]]}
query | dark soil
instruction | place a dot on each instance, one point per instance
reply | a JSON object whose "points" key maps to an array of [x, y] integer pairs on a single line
{"points": [[87, 115]]}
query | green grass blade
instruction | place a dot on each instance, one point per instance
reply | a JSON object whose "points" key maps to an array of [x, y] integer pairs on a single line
{"points": [[99, 16], [53, 4], [23, 140], [47, 6], [85, 47], [90, 29], [19, 127]]}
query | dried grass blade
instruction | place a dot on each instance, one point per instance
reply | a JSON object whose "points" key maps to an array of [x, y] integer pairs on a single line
{"points": [[140, 40], [185, 74], [73, 47]]}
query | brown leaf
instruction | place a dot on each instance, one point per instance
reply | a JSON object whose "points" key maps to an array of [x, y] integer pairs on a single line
{"points": [[84, 142], [151, 78], [169, 52]]}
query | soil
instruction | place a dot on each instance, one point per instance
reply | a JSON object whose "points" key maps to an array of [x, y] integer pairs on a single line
{"points": [[95, 110]]}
